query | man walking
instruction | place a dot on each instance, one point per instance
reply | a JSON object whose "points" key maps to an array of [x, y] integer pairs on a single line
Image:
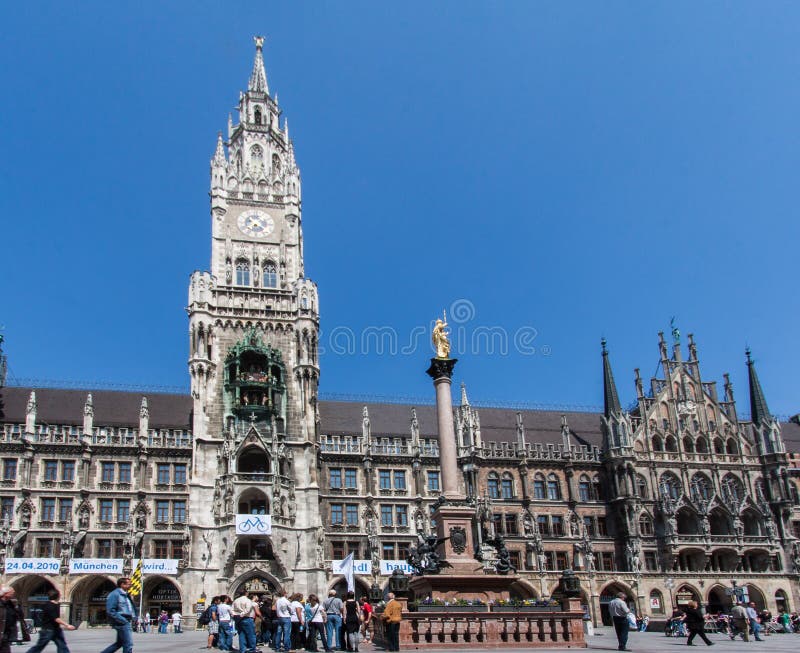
{"points": [[619, 611], [392, 616], [739, 623], [752, 617], [51, 626], [121, 613]]}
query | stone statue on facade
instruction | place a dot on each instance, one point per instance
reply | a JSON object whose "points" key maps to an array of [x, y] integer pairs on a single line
{"points": [[738, 527], [440, 338]]}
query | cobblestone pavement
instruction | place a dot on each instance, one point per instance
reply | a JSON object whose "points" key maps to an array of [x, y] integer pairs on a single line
{"points": [[95, 640]]}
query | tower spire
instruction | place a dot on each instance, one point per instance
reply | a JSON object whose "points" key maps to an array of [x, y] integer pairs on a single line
{"points": [[611, 404], [759, 411], [258, 78]]}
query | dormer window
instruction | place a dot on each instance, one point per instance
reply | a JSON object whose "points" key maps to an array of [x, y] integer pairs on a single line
{"points": [[257, 115]]}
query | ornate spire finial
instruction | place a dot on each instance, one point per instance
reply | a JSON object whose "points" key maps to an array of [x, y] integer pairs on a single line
{"points": [[258, 78], [759, 411], [464, 398], [611, 405], [219, 153]]}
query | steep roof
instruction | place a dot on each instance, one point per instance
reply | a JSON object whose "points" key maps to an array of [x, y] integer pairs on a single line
{"points": [[111, 408], [117, 408]]}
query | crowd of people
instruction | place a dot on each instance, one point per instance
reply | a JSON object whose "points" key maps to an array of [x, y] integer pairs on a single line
{"points": [[293, 622], [742, 620]]}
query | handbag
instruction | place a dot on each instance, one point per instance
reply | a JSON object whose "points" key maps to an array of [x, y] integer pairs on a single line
{"points": [[632, 620]]}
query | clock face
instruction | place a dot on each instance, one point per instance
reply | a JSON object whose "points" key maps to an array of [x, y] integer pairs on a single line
{"points": [[256, 224]]}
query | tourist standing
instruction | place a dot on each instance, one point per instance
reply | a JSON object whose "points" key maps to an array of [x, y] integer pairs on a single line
{"points": [[50, 630], [333, 611], [695, 622], [619, 611], [121, 612], [298, 619], [315, 622], [213, 622], [283, 636], [11, 617], [163, 620], [366, 613], [392, 616], [244, 613], [176, 622], [352, 621], [225, 641], [146, 622]]}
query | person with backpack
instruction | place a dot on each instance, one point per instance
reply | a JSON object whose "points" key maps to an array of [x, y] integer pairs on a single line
{"points": [[210, 620]]}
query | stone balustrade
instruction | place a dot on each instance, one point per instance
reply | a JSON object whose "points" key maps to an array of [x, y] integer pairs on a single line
{"points": [[483, 629]]}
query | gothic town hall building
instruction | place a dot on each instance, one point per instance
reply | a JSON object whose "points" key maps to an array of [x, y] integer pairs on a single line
{"points": [[674, 499]]}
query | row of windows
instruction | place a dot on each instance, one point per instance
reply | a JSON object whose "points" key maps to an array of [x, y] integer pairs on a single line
{"points": [[110, 472], [389, 550], [269, 274], [109, 510], [48, 547], [347, 513], [388, 479]]}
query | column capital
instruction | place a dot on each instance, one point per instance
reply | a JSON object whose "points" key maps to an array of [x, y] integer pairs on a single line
{"points": [[441, 368]]}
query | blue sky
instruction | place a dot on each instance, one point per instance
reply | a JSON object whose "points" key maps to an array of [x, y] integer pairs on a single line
{"points": [[563, 170]]}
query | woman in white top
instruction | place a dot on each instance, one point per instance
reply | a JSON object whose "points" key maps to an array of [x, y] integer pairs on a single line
{"points": [[225, 641], [298, 620]]}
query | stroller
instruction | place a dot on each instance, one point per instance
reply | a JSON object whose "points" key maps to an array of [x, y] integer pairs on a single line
{"points": [[675, 627]]}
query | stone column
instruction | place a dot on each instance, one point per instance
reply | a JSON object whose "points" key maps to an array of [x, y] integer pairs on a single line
{"points": [[441, 371]]}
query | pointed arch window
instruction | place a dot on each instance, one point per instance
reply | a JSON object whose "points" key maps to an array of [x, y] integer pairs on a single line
{"points": [[701, 487], [538, 487], [732, 488], [641, 486], [670, 486], [242, 273], [584, 488], [553, 488], [257, 116], [493, 485], [507, 486], [270, 277], [257, 155], [276, 164]]}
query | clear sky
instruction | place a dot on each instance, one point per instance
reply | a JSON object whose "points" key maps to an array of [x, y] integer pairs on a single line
{"points": [[558, 171]]}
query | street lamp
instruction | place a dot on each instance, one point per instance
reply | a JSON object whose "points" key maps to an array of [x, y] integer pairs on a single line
{"points": [[669, 583]]}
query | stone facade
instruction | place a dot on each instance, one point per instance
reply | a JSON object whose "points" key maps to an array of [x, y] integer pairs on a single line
{"points": [[677, 487]]}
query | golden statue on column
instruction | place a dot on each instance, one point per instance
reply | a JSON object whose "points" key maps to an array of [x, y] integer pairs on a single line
{"points": [[439, 336]]}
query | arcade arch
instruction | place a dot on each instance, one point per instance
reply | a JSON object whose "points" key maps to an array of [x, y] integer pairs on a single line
{"points": [[608, 594], [161, 593], [32, 592]]}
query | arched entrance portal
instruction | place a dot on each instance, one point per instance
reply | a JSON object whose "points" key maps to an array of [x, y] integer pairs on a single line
{"points": [[608, 595], [32, 594], [341, 588], [89, 600], [685, 594], [159, 594], [781, 601], [718, 600], [757, 597], [258, 583]]}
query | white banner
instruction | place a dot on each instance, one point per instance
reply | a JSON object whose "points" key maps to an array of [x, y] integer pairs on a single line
{"points": [[360, 567], [157, 566], [388, 566], [253, 524], [95, 566], [33, 565]]}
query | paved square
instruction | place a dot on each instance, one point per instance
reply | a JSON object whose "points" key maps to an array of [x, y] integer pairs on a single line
{"points": [[95, 640]]}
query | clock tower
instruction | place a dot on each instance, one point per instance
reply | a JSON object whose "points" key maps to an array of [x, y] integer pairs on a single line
{"points": [[253, 332]]}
